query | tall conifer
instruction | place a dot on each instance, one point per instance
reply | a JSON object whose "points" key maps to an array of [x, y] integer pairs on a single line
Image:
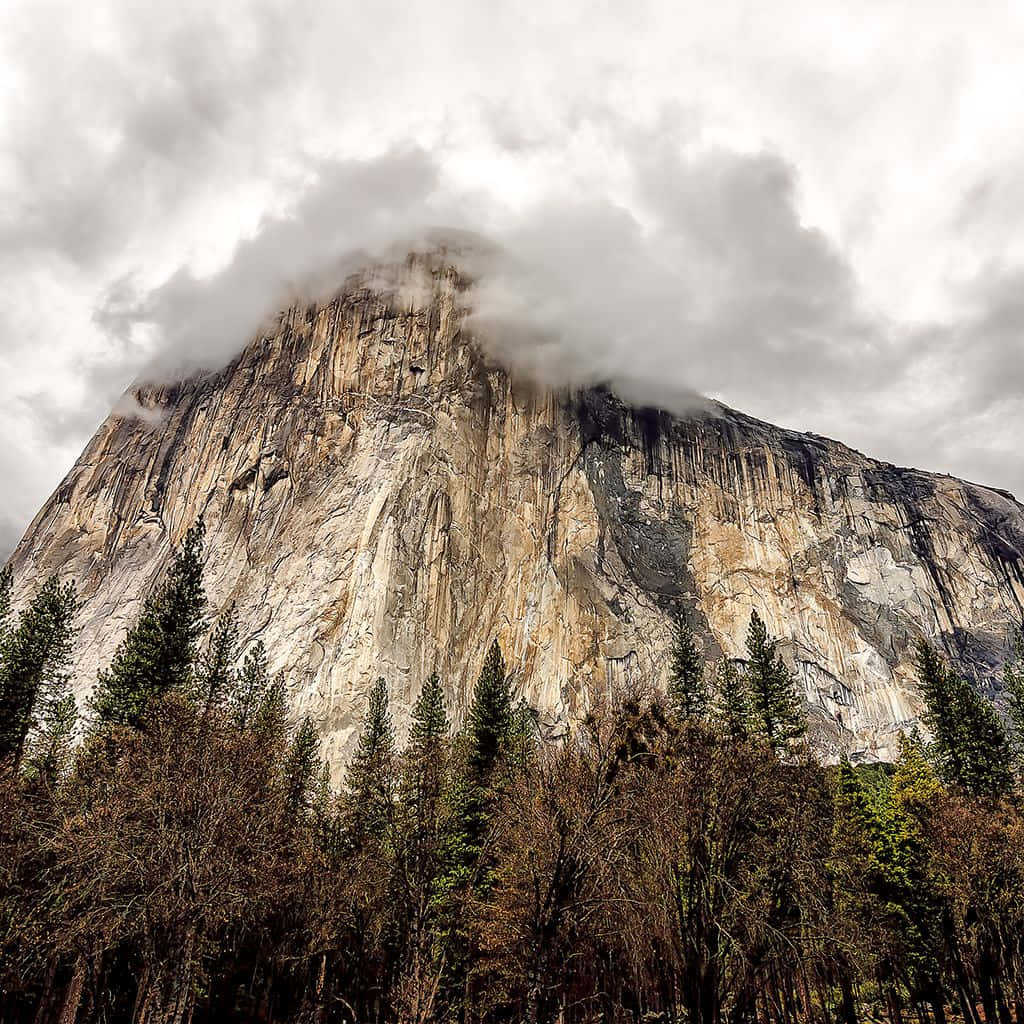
{"points": [[6, 589], [971, 747], [731, 706], [1013, 687], [34, 657], [159, 653], [687, 685], [371, 774], [216, 682], [489, 721], [775, 709], [301, 770]]}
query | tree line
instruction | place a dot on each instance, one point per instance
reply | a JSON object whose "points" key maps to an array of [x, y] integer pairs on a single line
{"points": [[178, 853]]}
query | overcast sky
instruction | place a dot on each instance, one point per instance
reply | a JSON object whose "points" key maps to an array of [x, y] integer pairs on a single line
{"points": [[809, 211]]}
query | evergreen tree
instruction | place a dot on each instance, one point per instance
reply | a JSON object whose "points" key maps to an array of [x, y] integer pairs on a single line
{"points": [[482, 748], [971, 747], [687, 686], [6, 588], [34, 658], [424, 774], [159, 653], [1013, 687], [426, 757], [775, 709], [939, 692], [49, 751], [522, 735], [489, 721], [270, 720], [300, 770], [370, 776], [248, 688], [217, 673], [429, 727], [731, 707]]}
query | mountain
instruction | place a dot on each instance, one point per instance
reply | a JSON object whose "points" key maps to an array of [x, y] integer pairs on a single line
{"points": [[382, 501]]}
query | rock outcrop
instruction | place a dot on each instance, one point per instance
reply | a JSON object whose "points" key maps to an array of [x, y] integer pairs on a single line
{"points": [[381, 501]]}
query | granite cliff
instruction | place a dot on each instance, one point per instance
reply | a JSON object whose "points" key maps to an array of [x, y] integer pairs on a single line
{"points": [[381, 501]]}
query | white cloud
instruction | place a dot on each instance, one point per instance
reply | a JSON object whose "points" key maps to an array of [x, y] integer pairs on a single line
{"points": [[805, 210]]}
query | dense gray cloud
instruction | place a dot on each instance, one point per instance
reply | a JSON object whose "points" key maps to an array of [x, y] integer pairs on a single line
{"points": [[679, 202]]}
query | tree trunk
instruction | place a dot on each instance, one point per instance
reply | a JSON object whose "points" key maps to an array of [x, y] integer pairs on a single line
{"points": [[73, 998], [849, 1005], [183, 986], [988, 999], [967, 1005], [46, 999]]}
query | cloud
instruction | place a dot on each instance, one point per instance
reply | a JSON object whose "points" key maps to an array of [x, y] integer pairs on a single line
{"points": [[678, 201], [354, 211]]}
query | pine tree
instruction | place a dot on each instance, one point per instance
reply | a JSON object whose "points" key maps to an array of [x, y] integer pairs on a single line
{"points": [[429, 728], [938, 691], [33, 663], [522, 735], [731, 707], [687, 686], [489, 721], [217, 672], [426, 758], [49, 752], [248, 688], [370, 776], [775, 709], [270, 719], [300, 770], [971, 747], [6, 588], [424, 768], [856, 829], [159, 653], [1013, 687], [424, 774]]}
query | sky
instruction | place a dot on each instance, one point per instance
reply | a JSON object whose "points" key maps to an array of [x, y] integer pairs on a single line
{"points": [[808, 211]]}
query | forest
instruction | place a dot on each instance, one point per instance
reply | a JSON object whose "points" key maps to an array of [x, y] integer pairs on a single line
{"points": [[173, 851]]}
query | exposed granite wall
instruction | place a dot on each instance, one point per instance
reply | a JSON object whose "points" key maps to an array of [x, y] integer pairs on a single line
{"points": [[381, 502]]}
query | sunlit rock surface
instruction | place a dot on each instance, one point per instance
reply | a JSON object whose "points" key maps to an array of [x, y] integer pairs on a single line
{"points": [[381, 501]]}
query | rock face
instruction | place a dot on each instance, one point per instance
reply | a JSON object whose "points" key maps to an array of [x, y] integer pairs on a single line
{"points": [[381, 501]]}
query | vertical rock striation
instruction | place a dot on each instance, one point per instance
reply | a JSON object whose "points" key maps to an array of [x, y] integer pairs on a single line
{"points": [[381, 501]]}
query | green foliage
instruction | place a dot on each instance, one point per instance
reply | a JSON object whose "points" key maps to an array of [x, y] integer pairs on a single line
{"points": [[776, 712], [429, 726], [216, 678], [270, 720], [687, 685], [522, 735], [971, 747], [1013, 687], [371, 773], [301, 770], [159, 653], [49, 754], [34, 657], [489, 722], [731, 706], [249, 687], [915, 785], [6, 588], [634, 870]]}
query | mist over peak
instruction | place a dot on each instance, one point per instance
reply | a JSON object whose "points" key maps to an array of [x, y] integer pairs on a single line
{"points": [[679, 202]]}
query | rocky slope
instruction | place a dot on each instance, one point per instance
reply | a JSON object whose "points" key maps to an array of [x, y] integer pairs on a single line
{"points": [[381, 502]]}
